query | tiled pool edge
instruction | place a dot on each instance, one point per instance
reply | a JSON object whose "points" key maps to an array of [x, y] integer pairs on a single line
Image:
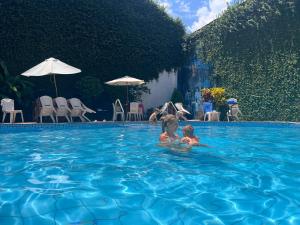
{"points": [[4, 126]]}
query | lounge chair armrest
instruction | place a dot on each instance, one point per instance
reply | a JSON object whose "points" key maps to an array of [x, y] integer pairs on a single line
{"points": [[87, 109]]}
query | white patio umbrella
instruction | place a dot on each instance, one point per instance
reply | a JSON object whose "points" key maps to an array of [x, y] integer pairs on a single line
{"points": [[126, 81], [51, 66]]}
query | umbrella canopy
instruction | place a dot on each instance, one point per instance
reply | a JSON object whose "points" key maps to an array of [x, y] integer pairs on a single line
{"points": [[125, 81], [232, 101], [51, 66]]}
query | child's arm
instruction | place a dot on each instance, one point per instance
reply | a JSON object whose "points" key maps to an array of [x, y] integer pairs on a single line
{"points": [[185, 140]]}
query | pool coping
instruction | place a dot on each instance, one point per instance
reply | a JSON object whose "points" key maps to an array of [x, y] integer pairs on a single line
{"points": [[32, 125]]}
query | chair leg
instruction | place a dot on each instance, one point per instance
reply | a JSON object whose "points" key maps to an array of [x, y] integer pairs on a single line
{"points": [[86, 118], [14, 117], [82, 119], [11, 117], [67, 119], [22, 117], [52, 117], [56, 117], [3, 117]]}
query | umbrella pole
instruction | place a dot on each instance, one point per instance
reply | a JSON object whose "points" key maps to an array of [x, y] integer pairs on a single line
{"points": [[127, 96], [127, 99], [55, 85]]}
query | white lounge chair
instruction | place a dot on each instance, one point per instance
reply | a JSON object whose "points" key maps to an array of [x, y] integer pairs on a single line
{"points": [[78, 109], [46, 108], [233, 112], [180, 108], [62, 108], [134, 111], [8, 107], [166, 108], [118, 110]]}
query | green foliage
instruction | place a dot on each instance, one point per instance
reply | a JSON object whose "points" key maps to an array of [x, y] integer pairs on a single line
{"points": [[108, 38], [177, 96], [89, 88], [254, 48], [136, 92], [15, 87]]}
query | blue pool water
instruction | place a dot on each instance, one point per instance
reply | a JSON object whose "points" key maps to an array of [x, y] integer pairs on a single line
{"points": [[116, 174]]}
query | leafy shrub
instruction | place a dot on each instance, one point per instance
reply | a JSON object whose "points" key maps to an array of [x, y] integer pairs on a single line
{"points": [[206, 94], [176, 96], [89, 88], [218, 94], [14, 87]]}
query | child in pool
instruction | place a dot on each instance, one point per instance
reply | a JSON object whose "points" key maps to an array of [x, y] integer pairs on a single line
{"points": [[169, 127], [189, 137], [153, 117]]}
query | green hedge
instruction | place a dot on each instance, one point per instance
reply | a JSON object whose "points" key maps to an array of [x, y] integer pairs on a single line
{"points": [[255, 51], [106, 39]]}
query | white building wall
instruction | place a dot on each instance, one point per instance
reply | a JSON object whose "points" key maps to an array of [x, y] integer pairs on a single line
{"points": [[160, 90]]}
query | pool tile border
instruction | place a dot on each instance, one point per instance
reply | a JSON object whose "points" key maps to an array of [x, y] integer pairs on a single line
{"points": [[8, 126]]}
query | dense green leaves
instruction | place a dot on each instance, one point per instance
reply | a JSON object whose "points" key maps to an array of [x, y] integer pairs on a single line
{"points": [[104, 38], [89, 88], [15, 87], [177, 96], [255, 50]]}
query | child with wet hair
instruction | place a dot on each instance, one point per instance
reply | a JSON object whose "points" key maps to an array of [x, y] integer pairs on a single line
{"points": [[189, 137], [153, 116], [169, 128]]}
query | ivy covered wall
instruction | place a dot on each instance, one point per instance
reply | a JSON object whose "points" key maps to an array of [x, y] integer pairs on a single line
{"points": [[254, 48]]}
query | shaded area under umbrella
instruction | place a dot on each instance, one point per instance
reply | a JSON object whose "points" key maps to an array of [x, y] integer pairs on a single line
{"points": [[126, 81]]}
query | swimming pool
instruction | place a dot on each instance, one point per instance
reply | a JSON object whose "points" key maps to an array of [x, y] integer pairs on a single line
{"points": [[116, 174]]}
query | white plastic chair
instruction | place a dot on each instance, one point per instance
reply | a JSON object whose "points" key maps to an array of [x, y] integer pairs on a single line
{"points": [[8, 107], [134, 111], [78, 109], [62, 108], [233, 112], [46, 108], [118, 110]]}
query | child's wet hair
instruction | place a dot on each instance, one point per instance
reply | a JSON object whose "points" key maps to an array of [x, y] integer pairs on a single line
{"points": [[167, 120], [188, 129]]}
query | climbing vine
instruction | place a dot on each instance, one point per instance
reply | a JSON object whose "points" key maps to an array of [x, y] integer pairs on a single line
{"points": [[254, 48]]}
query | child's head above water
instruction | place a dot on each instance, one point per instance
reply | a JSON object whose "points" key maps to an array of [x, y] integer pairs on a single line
{"points": [[188, 131], [170, 123]]}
